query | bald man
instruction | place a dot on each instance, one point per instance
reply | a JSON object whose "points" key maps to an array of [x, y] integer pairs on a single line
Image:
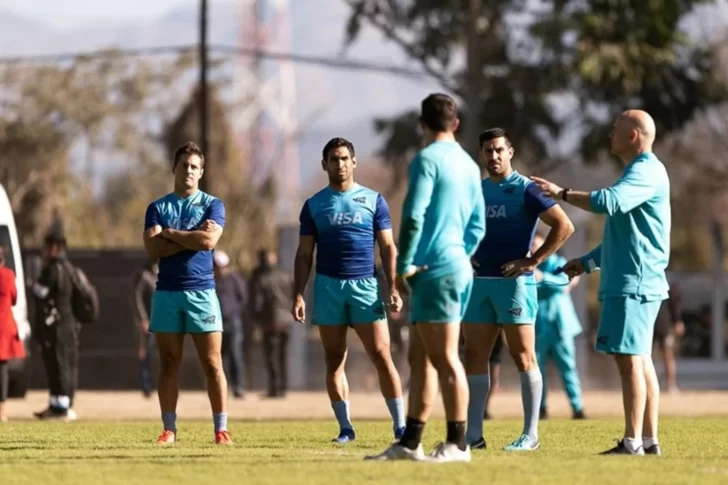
{"points": [[632, 258]]}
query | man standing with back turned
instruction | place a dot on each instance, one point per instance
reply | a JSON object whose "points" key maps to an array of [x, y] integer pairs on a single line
{"points": [[443, 221], [182, 230], [633, 257]]}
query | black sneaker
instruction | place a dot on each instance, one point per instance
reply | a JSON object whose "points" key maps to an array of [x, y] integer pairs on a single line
{"points": [[479, 444], [52, 413], [653, 450], [620, 449], [543, 414], [579, 414]]}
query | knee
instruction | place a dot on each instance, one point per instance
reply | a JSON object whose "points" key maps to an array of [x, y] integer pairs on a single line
{"points": [[335, 361], [476, 360], [169, 364], [628, 364], [381, 356], [525, 360]]}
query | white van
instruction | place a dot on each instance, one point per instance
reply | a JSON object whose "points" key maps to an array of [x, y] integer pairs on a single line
{"points": [[14, 261]]}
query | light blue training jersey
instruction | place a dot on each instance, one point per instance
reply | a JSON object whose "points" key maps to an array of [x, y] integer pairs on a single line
{"points": [[443, 216], [345, 226], [187, 270], [635, 249]]}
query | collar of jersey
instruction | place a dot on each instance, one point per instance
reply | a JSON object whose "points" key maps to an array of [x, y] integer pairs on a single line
{"points": [[336, 192], [197, 192], [642, 156], [508, 179]]}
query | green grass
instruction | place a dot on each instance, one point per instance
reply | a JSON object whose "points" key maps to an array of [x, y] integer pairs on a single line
{"points": [[297, 453]]}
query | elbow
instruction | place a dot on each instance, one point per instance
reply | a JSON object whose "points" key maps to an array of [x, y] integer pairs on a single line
{"points": [[567, 228]]}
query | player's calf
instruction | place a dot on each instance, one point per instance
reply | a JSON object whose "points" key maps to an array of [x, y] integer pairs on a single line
{"points": [[208, 347], [375, 338]]}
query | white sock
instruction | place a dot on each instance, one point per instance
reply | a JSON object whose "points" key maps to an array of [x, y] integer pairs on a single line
{"points": [[647, 442], [633, 444]]}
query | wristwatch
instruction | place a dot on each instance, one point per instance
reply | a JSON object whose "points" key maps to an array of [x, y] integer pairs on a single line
{"points": [[564, 194]]}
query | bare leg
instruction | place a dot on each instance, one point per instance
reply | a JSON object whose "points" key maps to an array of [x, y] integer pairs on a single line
{"points": [[333, 339], [170, 347]]}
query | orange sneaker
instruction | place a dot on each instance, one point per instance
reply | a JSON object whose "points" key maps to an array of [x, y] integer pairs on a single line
{"points": [[223, 438], [167, 437]]}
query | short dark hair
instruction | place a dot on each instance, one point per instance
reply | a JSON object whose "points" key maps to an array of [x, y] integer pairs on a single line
{"points": [[335, 143], [439, 112], [492, 134], [55, 239], [187, 150]]}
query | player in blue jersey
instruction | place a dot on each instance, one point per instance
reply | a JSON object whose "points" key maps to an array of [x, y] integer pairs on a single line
{"points": [[343, 222], [504, 290], [443, 221], [633, 257], [181, 230]]}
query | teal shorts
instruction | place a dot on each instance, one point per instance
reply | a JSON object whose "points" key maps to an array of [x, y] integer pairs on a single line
{"points": [[440, 300], [346, 302], [505, 301], [185, 312], [627, 325]]}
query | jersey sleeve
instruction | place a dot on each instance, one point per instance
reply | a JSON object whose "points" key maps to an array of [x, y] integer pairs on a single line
{"points": [[308, 226], [536, 201], [475, 229], [382, 219], [152, 218], [593, 260], [631, 190], [422, 174], [216, 212]]}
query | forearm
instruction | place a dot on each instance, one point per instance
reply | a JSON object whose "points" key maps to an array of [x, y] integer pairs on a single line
{"points": [[193, 240], [159, 247], [301, 272], [582, 200], [389, 261], [559, 233], [140, 310]]}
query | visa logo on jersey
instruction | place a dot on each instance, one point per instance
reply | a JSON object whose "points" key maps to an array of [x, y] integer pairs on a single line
{"points": [[344, 218], [495, 211]]}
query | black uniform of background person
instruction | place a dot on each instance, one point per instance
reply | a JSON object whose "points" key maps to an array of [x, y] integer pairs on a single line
{"points": [[56, 330]]}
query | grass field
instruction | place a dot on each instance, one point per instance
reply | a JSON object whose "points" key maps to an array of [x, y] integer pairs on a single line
{"points": [[293, 453]]}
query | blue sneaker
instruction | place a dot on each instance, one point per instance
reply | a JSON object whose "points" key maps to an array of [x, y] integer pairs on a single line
{"points": [[399, 433], [523, 443], [345, 436]]}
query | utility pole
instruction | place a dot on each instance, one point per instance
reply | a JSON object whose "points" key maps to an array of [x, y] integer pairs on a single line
{"points": [[474, 78], [204, 121]]}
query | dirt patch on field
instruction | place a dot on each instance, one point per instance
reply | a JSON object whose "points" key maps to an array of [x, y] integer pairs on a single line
{"points": [[315, 405]]}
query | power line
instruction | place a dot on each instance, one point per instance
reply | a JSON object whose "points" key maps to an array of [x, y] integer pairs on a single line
{"points": [[333, 63]]}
